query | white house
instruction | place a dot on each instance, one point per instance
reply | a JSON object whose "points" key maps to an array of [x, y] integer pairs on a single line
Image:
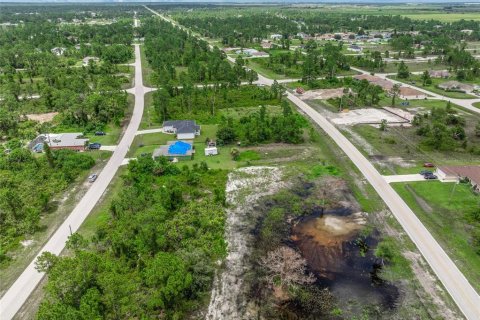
{"points": [[184, 129], [86, 60], [276, 36], [58, 51]]}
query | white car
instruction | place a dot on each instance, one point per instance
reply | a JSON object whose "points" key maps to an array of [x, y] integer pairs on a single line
{"points": [[92, 177]]}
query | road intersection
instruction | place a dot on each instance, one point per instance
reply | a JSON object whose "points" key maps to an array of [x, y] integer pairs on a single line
{"points": [[462, 292], [21, 289], [453, 280]]}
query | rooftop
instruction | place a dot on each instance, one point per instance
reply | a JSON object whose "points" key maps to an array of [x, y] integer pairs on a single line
{"points": [[470, 172], [182, 126]]}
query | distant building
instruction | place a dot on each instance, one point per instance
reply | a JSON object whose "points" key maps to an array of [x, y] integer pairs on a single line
{"points": [[457, 173], [73, 141], [87, 60], [456, 86], [266, 44], [355, 48], [58, 51], [276, 36], [439, 73], [184, 129]]}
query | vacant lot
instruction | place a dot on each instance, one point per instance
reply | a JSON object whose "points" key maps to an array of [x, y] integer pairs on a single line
{"points": [[433, 87], [442, 208]]}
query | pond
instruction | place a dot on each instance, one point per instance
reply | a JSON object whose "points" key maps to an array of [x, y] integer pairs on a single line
{"points": [[342, 259]]}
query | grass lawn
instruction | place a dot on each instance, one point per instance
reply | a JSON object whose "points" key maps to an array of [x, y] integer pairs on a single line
{"points": [[412, 66], [477, 105], [433, 87], [100, 212], [147, 72], [255, 65], [149, 120], [146, 143], [237, 113], [441, 207]]}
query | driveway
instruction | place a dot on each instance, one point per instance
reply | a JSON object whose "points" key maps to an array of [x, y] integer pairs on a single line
{"points": [[21, 289]]}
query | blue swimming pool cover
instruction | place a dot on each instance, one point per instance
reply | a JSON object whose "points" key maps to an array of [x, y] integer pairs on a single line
{"points": [[179, 147]]}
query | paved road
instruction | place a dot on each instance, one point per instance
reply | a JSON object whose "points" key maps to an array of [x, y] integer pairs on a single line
{"points": [[19, 292], [465, 103], [447, 272]]}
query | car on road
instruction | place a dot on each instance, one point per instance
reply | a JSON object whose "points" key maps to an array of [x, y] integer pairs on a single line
{"points": [[92, 177], [94, 146], [428, 165], [426, 172], [430, 177], [100, 133]]}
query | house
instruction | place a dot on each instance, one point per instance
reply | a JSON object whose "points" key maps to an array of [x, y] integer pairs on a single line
{"points": [[175, 150], [302, 35], [184, 129], [467, 31], [73, 141], [456, 86], [87, 60], [457, 173], [355, 48], [266, 44], [247, 52], [276, 36], [58, 51], [439, 73]]}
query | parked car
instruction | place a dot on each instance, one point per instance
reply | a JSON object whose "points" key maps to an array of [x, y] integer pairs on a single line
{"points": [[100, 133], [426, 172], [428, 165], [430, 177], [92, 177], [94, 146]]}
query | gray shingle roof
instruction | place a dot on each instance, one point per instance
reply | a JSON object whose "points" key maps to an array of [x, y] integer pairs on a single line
{"points": [[182, 126]]}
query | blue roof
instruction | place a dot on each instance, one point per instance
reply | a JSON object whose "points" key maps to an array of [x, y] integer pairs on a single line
{"points": [[179, 147]]}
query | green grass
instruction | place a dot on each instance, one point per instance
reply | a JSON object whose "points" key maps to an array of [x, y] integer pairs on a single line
{"points": [[147, 72], [146, 143], [433, 87], [237, 113], [449, 203], [255, 65], [477, 105], [248, 155]]}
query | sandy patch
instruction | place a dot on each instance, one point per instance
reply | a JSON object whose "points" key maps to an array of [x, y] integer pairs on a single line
{"points": [[366, 116], [42, 117], [322, 94], [244, 187]]}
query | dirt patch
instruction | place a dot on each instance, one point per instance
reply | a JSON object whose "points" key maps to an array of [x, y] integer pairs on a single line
{"points": [[366, 116], [322, 94], [419, 200], [430, 285], [244, 187], [41, 117]]}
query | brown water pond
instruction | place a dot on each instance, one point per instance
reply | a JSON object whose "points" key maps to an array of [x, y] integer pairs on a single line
{"points": [[343, 259]]}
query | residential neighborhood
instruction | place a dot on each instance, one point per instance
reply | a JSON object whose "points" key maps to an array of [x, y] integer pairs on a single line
{"points": [[239, 160]]}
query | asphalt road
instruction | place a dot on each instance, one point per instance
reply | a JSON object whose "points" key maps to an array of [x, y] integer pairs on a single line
{"points": [[465, 103], [466, 298], [464, 295], [21, 289]]}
